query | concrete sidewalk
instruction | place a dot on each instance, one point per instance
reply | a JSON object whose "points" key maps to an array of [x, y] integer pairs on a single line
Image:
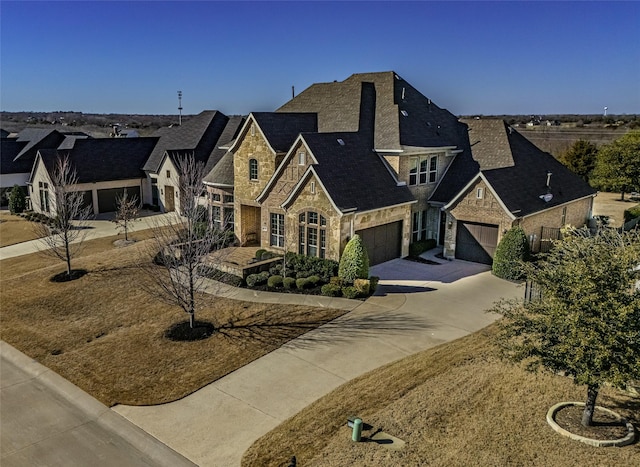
{"points": [[416, 307], [46, 420], [95, 228]]}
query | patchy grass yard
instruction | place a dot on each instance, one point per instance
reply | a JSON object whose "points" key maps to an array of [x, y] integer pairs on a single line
{"points": [[105, 334], [455, 404], [15, 229]]}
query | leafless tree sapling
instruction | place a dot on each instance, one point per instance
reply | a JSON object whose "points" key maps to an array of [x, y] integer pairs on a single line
{"points": [[127, 210], [182, 241], [65, 232]]}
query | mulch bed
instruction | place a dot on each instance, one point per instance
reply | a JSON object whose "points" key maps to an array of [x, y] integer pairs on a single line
{"points": [[64, 277], [605, 426], [184, 332]]}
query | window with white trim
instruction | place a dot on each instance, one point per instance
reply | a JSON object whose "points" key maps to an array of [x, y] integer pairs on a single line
{"points": [[44, 196], [423, 169], [419, 226], [312, 234], [277, 230], [253, 169]]}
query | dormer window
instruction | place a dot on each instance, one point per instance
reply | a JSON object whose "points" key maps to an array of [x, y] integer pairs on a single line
{"points": [[253, 169], [302, 158]]}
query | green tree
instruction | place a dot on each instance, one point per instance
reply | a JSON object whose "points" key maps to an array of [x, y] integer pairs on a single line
{"points": [[17, 200], [618, 165], [512, 250], [580, 158], [354, 263], [587, 320]]}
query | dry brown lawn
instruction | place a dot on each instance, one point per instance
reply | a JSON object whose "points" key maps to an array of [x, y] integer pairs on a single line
{"points": [[106, 335], [454, 405], [15, 229], [610, 204]]}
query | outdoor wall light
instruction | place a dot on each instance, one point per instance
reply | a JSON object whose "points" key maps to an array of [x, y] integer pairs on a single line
{"points": [[450, 224]]}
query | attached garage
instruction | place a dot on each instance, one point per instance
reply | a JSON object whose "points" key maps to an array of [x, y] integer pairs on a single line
{"points": [[476, 242], [87, 200], [383, 242], [107, 197]]}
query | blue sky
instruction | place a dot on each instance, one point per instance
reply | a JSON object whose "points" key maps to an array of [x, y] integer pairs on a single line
{"points": [[237, 57]]}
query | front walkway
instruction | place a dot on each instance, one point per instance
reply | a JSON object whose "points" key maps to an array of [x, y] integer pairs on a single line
{"points": [[417, 306]]}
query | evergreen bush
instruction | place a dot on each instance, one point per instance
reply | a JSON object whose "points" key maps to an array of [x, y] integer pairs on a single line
{"points": [[17, 200], [331, 290], [354, 263], [512, 250], [259, 253], [274, 282], [362, 286], [288, 283], [302, 283], [350, 292]]}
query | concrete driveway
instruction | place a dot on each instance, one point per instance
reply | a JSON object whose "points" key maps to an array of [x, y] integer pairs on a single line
{"points": [[47, 421], [417, 306]]}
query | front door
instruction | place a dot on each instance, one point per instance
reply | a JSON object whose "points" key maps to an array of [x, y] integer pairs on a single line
{"points": [[169, 198]]}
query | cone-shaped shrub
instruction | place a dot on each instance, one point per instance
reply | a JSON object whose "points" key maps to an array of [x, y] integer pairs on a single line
{"points": [[354, 263], [511, 251]]}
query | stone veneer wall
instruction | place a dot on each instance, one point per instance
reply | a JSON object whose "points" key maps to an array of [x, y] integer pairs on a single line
{"points": [[470, 208]]}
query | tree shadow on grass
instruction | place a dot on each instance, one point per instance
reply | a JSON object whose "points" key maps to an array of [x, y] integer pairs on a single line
{"points": [[312, 331]]}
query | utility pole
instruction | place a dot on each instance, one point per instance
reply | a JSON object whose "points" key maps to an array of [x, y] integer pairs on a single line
{"points": [[180, 108]]}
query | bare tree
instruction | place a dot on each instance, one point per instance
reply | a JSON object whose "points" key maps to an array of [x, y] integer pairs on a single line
{"points": [[128, 208], [182, 241], [66, 230]]}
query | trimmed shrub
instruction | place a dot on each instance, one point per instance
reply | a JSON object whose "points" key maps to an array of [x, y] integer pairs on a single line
{"points": [[417, 248], [512, 250], [362, 286], [305, 266], [331, 290], [263, 277], [17, 200], [252, 280], [632, 213], [302, 283], [259, 253], [350, 292], [313, 280], [288, 282], [335, 280], [274, 282], [373, 284], [276, 270], [354, 263]]}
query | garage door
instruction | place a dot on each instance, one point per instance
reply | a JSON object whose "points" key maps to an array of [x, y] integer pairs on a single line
{"points": [[476, 242], [107, 198], [87, 201], [383, 242]]}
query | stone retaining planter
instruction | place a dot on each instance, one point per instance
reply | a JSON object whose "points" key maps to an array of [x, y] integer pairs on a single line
{"points": [[551, 420]]}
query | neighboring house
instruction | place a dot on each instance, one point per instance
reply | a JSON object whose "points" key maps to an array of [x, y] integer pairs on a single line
{"points": [[104, 167], [12, 172], [199, 136], [371, 155]]}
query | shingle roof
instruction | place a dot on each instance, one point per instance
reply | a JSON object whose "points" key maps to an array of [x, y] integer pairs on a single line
{"points": [[199, 135], [9, 149], [222, 173], [38, 138], [515, 168], [229, 133], [281, 129], [104, 159], [353, 174], [403, 117]]}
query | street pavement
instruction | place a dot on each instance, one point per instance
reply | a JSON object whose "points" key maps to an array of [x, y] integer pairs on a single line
{"points": [[47, 421]]}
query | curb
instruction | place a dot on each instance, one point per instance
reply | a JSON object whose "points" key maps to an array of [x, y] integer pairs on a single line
{"points": [[157, 451], [599, 443]]}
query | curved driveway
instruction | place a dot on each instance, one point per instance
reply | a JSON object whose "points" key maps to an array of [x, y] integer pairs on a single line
{"points": [[417, 306]]}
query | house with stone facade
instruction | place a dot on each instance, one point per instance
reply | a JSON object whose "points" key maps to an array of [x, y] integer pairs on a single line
{"points": [[372, 155]]}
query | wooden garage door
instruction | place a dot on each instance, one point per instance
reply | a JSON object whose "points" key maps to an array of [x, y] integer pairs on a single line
{"points": [[107, 198], [383, 242], [476, 242]]}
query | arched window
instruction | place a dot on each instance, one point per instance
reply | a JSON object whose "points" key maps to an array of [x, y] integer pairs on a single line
{"points": [[312, 239], [253, 169]]}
